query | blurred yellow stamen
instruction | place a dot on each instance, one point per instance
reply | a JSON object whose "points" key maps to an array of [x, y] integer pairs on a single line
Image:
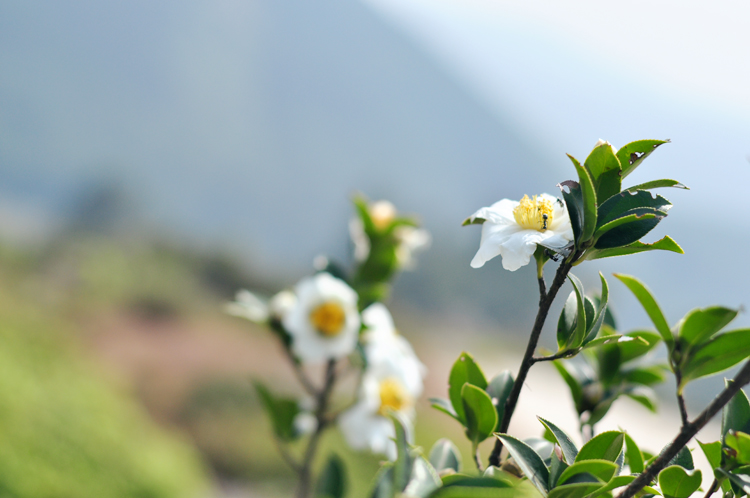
{"points": [[328, 318], [534, 214], [392, 395]]}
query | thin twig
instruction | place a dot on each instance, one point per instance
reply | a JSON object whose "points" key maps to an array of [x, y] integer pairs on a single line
{"points": [[680, 397], [562, 354], [545, 301], [712, 489], [687, 432], [288, 458], [301, 376], [477, 460]]}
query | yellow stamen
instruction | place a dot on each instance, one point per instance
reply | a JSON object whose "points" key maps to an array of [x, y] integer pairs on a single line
{"points": [[382, 213], [392, 395], [328, 318], [534, 214]]}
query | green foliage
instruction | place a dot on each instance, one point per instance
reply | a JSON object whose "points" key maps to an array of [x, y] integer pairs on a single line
{"points": [[529, 462], [605, 446], [676, 482], [332, 481], [464, 371], [481, 416], [581, 320], [444, 455], [281, 411], [499, 389]]}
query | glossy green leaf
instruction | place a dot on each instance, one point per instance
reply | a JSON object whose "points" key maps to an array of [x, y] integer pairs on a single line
{"points": [[664, 244], [579, 333], [739, 480], [618, 482], [569, 449], [444, 406], [701, 324], [577, 490], [588, 191], [604, 446], [633, 455], [658, 184], [590, 308], [445, 455], [530, 463], [649, 304], [404, 460], [281, 412], [556, 468], [712, 452], [465, 491], [601, 469], [605, 170], [332, 481], [735, 415], [496, 479], [423, 480], [499, 389], [601, 313], [566, 324], [625, 202], [481, 416], [576, 391], [740, 442], [644, 341], [464, 370], [683, 458], [628, 229], [573, 197], [720, 353], [384, 487], [507, 479], [676, 482], [609, 363], [604, 340], [646, 376], [634, 153]]}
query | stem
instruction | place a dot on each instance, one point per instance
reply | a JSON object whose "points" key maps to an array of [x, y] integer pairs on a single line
{"points": [[309, 386], [712, 489], [568, 353], [477, 460], [680, 397], [687, 432], [545, 301], [322, 398]]}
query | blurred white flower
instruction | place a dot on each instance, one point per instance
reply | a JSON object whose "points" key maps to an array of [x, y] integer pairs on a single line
{"points": [[513, 229], [324, 322], [411, 240], [305, 422], [281, 303], [248, 305], [360, 239]]}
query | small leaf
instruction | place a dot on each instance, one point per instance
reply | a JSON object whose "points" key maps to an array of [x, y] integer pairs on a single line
{"points": [[576, 391], [601, 469], [735, 415], [739, 480], [643, 395], [658, 184], [404, 461], [281, 412], [556, 468], [444, 406], [481, 416], [606, 339], [472, 220], [634, 455], [628, 229], [601, 312], [645, 376], [740, 442], [528, 460], [445, 455], [332, 481], [577, 490], [605, 170], [718, 354], [604, 446], [574, 204], [664, 244], [676, 482], [384, 487], [423, 480], [567, 321], [569, 449], [499, 389], [701, 324], [576, 339], [643, 342], [649, 304], [588, 192], [464, 370], [634, 153], [625, 202], [683, 458], [712, 452]]}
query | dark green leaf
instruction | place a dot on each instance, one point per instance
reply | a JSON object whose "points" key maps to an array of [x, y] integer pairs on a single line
{"points": [[384, 487], [567, 322], [574, 204], [633, 154], [739, 480], [473, 221], [600, 314], [566, 444], [601, 469], [712, 452], [577, 490], [676, 482], [633, 455], [556, 468], [281, 412], [588, 304], [604, 446], [579, 334], [530, 463], [404, 460], [609, 363], [605, 170], [464, 370], [740, 442], [643, 342], [499, 389], [628, 229], [658, 184], [701, 324], [720, 353], [493, 478], [618, 482], [481, 416], [643, 395], [664, 244], [423, 480], [735, 415], [646, 376], [332, 481], [649, 304], [625, 202], [683, 458], [576, 391], [588, 191], [444, 406], [445, 455], [604, 340]]}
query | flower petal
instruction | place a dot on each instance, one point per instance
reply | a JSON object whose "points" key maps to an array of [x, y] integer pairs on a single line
{"points": [[493, 237]]}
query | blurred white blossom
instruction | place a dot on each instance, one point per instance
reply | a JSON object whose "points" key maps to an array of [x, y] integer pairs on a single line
{"points": [[248, 305]]}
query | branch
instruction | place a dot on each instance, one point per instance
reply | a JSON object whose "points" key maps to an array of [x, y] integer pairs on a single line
{"points": [[687, 432], [309, 386], [562, 354]]}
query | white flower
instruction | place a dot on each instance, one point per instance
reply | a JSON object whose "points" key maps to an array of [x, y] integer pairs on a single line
{"points": [[248, 305], [324, 322], [281, 304], [411, 240], [513, 229]]}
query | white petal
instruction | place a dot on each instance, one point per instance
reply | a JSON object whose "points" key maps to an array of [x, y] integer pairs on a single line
{"points": [[519, 248], [248, 305], [493, 237], [500, 212]]}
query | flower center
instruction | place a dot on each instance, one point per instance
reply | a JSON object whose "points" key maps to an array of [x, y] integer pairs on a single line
{"points": [[534, 214], [392, 395], [328, 318], [382, 214]]}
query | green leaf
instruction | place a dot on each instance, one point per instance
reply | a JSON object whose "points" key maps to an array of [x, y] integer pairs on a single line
{"points": [[576, 390], [628, 229], [649, 304], [643, 395], [577, 490], [569, 449], [601, 469], [741, 481], [605, 170], [481, 416], [499, 389], [625, 202], [574, 204], [618, 482], [281, 412], [445, 406], [740, 442], [384, 487], [332, 481], [718, 354], [445, 455], [588, 192], [701, 324], [683, 458], [664, 244], [492, 478], [712, 452], [473, 220], [604, 340], [556, 468], [676, 482], [579, 334], [464, 370], [645, 376], [530, 463], [658, 184], [644, 341], [735, 416], [609, 363], [404, 460], [633, 455], [601, 313], [634, 153], [567, 322], [423, 480], [604, 446]]}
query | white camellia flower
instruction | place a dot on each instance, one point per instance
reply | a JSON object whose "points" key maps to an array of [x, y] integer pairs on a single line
{"points": [[324, 322], [393, 380], [512, 229], [248, 305]]}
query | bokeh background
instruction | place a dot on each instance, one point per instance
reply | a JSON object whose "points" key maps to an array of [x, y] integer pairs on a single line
{"points": [[156, 157]]}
